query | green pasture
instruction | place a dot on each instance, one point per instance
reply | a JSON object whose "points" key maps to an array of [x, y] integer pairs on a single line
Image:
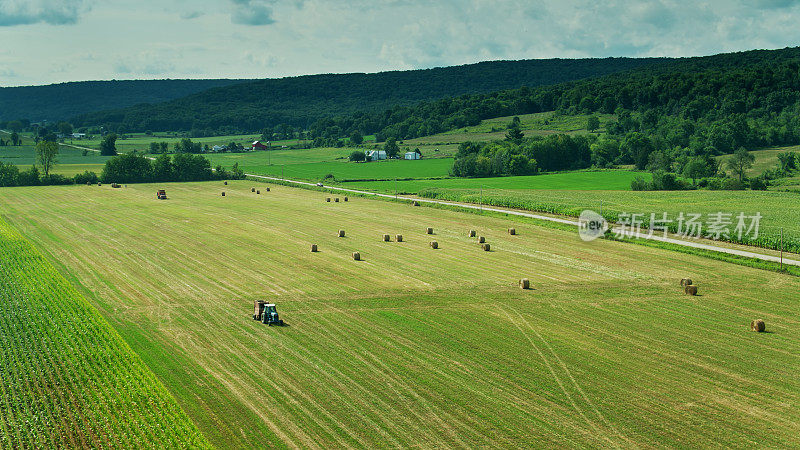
{"points": [[580, 180]]}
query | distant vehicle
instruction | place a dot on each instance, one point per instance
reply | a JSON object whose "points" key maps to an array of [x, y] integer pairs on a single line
{"points": [[320, 184], [267, 313]]}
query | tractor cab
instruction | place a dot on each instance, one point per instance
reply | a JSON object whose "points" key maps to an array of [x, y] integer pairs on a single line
{"points": [[267, 313]]}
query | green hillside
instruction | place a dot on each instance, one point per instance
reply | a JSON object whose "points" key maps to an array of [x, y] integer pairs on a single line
{"points": [[64, 100], [299, 101]]}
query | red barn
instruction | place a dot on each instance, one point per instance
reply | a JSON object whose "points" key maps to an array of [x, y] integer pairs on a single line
{"points": [[257, 145]]}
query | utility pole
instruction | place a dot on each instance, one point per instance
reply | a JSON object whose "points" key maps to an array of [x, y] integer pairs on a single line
{"points": [[481, 203], [395, 188], [781, 248]]}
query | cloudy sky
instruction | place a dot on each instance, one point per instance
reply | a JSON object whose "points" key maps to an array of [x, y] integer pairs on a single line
{"points": [[50, 41]]}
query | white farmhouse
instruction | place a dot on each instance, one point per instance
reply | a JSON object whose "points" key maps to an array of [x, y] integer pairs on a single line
{"points": [[375, 155]]}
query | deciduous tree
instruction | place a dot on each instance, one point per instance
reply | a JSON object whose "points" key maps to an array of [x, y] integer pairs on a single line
{"points": [[46, 155], [740, 162]]}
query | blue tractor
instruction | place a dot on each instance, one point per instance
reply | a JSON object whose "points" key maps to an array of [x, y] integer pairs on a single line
{"points": [[267, 313]]}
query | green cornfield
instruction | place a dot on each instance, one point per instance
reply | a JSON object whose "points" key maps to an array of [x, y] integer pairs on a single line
{"points": [[68, 379]]}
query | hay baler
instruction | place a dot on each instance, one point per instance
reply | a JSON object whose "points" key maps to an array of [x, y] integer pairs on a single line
{"points": [[267, 313]]}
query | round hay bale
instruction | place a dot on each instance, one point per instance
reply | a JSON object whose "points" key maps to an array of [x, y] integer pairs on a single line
{"points": [[481, 240], [512, 231], [524, 283], [386, 238], [429, 230], [345, 199], [758, 326], [685, 282], [336, 199], [416, 203], [434, 245], [399, 238], [313, 248], [226, 183], [328, 199], [357, 256], [486, 247], [252, 189], [267, 189], [258, 192], [473, 233], [223, 193], [88, 183], [690, 289], [99, 184], [341, 233]]}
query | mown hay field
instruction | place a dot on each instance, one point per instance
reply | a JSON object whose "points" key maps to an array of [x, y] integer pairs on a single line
{"points": [[419, 347]]}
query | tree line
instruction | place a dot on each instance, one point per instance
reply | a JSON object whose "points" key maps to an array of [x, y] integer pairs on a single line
{"points": [[124, 168], [300, 101]]}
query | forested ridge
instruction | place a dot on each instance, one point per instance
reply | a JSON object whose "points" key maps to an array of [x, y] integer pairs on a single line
{"points": [[300, 101], [668, 121], [726, 100], [61, 101]]}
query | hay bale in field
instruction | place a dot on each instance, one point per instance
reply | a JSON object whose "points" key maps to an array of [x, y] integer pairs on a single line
{"points": [[473, 233], [223, 193], [99, 184], [313, 248], [685, 282], [758, 326], [512, 231], [524, 283], [399, 238], [357, 256], [690, 289], [341, 233], [226, 183], [481, 240], [267, 189], [386, 238], [328, 199], [336, 200], [486, 247], [88, 183], [345, 199], [434, 245], [416, 203], [429, 230], [258, 192], [252, 189]]}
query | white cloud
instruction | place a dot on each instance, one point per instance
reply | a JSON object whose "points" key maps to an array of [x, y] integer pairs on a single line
{"points": [[252, 12], [53, 12], [188, 15], [147, 38]]}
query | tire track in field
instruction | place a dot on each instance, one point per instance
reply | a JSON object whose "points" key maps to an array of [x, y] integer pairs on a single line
{"points": [[400, 386], [552, 371], [571, 377], [678, 362], [413, 352]]}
